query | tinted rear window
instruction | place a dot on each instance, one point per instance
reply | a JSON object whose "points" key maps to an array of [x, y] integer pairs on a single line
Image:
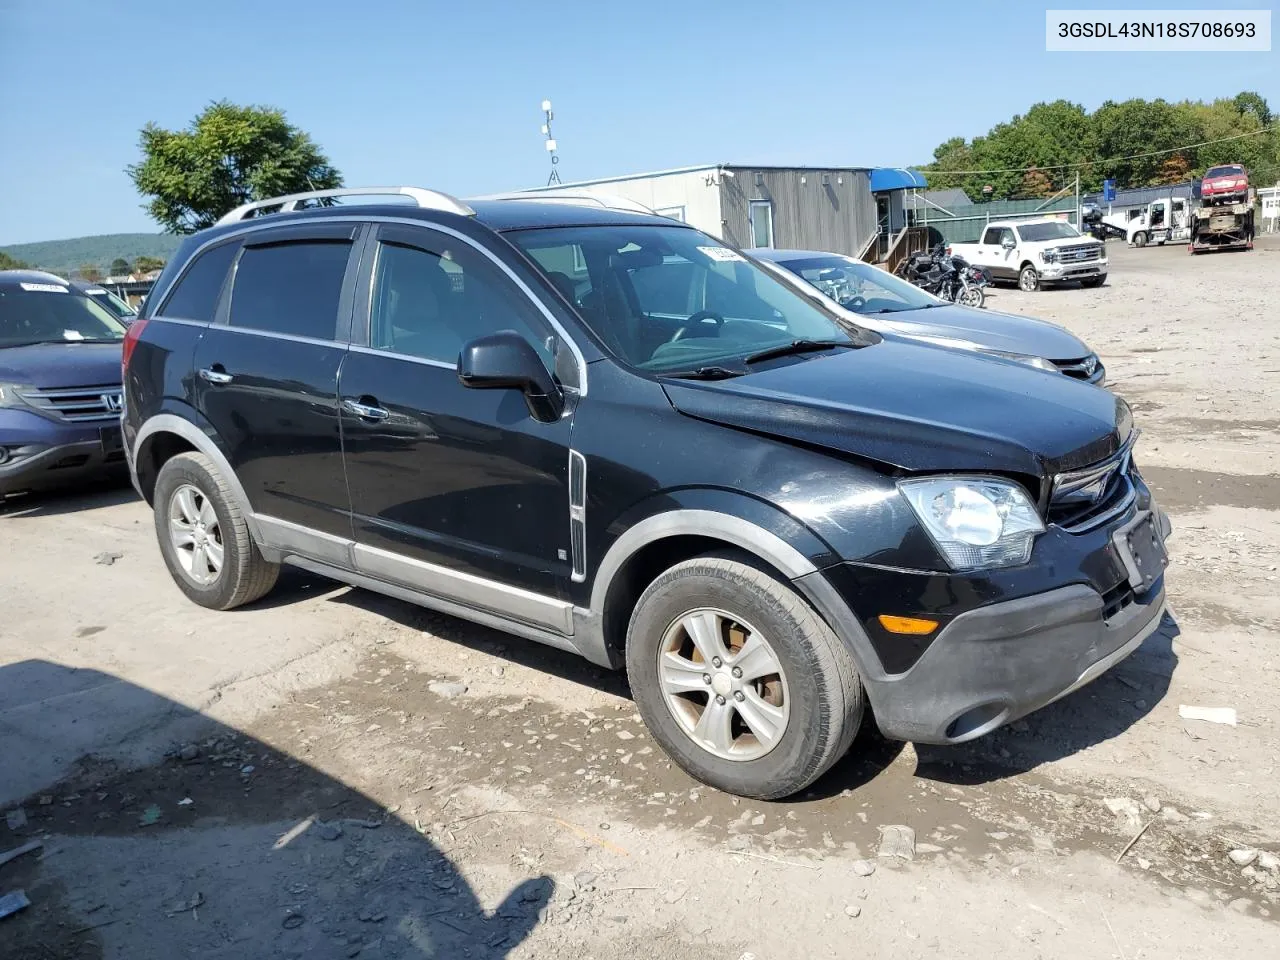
{"points": [[195, 297], [291, 288]]}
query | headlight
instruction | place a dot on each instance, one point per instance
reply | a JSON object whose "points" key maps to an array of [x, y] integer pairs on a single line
{"points": [[1049, 256], [976, 523], [952, 343], [1040, 363], [10, 395]]}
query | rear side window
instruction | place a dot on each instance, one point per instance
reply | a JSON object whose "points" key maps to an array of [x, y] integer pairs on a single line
{"points": [[195, 297], [290, 288]]}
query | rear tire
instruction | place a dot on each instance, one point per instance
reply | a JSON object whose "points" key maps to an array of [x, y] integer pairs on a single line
{"points": [[800, 678], [1029, 279], [203, 536]]}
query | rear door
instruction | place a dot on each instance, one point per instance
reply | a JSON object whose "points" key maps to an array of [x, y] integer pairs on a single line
{"points": [[267, 379], [456, 492]]}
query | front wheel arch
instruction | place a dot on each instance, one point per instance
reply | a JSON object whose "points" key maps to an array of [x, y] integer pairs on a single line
{"points": [[654, 545]]}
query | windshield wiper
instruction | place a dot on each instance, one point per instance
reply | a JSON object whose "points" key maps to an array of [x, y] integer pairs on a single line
{"points": [[706, 373], [796, 347]]}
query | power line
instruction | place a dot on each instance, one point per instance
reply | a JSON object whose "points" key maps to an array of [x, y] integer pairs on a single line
{"points": [[1089, 163]]}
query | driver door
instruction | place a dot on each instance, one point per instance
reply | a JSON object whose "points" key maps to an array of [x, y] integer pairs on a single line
{"points": [[454, 491]]}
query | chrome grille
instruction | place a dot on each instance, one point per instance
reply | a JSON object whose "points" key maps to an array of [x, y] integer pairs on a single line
{"points": [[1080, 253], [1087, 498], [78, 404]]}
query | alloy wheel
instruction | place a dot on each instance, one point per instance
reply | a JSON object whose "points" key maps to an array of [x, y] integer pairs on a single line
{"points": [[196, 534], [724, 684]]}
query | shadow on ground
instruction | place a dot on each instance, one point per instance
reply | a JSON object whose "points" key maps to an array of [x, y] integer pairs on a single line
{"points": [[228, 848], [1094, 714], [107, 492]]}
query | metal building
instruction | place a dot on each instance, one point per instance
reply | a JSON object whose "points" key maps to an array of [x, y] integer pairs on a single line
{"points": [[807, 208]]}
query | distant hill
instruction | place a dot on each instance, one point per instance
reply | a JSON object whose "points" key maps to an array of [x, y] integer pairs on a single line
{"points": [[64, 256]]}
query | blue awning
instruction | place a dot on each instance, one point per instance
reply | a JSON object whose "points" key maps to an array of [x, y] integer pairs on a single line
{"points": [[896, 178]]}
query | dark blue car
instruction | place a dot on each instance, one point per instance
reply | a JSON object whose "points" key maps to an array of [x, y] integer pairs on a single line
{"points": [[59, 385]]}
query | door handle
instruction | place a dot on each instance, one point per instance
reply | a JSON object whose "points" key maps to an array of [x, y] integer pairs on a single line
{"points": [[365, 411], [215, 376]]}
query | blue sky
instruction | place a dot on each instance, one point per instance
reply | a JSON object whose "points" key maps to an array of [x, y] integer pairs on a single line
{"points": [[447, 94]]}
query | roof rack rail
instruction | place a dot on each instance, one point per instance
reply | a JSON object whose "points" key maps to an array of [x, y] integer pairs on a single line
{"points": [[610, 201], [425, 200]]}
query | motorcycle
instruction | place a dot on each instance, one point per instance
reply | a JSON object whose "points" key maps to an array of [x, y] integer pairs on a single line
{"points": [[946, 275]]}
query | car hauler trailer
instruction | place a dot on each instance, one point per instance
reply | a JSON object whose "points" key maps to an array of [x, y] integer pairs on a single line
{"points": [[1226, 227]]}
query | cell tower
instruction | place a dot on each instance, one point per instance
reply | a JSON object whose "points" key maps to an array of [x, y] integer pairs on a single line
{"points": [[548, 116]]}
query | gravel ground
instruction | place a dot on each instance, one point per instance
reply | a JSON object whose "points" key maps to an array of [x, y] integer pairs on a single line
{"points": [[336, 774]]}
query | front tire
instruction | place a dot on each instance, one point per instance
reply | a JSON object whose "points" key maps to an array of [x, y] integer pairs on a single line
{"points": [[973, 297], [1139, 239], [1029, 279], [203, 536], [739, 681]]}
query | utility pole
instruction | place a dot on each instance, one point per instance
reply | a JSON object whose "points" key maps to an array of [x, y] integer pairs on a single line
{"points": [[548, 116], [1079, 218]]}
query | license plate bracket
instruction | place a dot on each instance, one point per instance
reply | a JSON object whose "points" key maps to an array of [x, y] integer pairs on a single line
{"points": [[111, 439], [1140, 546]]}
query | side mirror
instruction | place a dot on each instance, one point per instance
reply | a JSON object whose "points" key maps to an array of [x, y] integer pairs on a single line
{"points": [[1007, 243], [507, 361]]}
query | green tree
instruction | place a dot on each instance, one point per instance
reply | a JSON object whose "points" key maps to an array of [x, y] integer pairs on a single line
{"points": [[229, 155], [1138, 142], [119, 267], [89, 271], [146, 264], [1254, 104], [11, 263]]}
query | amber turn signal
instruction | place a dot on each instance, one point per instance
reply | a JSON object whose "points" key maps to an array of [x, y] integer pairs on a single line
{"points": [[914, 626]]}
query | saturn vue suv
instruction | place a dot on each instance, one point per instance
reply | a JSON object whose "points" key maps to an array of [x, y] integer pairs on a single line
{"points": [[611, 433], [59, 385]]}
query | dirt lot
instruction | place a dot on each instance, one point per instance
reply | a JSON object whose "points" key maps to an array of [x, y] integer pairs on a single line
{"points": [[335, 774]]}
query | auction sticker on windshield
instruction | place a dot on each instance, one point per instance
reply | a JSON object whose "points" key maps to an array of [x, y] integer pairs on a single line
{"points": [[723, 254], [43, 287]]}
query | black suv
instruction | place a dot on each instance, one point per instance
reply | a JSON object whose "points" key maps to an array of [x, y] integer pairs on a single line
{"points": [[609, 432]]}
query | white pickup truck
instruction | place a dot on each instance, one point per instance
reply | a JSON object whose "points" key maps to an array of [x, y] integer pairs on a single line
{"points": [[1036, 252]]}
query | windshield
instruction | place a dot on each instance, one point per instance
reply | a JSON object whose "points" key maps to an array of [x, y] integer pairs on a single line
{"points": [[1053, 230], [117, 307], [859, 286], [50, 313], [667, 299], [1223, 172]]}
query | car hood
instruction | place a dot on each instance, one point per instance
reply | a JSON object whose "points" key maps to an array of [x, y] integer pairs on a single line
{"points": [[52, 365], [984, 328], [920, 409]]}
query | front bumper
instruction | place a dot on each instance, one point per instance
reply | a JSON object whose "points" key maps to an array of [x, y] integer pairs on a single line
{"points": [[1053, 272], [42, 455], [1000, 662]]}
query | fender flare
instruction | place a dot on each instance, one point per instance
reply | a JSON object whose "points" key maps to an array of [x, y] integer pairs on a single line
{"points": [[704, 523], [803, 574], [203, 442]]}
